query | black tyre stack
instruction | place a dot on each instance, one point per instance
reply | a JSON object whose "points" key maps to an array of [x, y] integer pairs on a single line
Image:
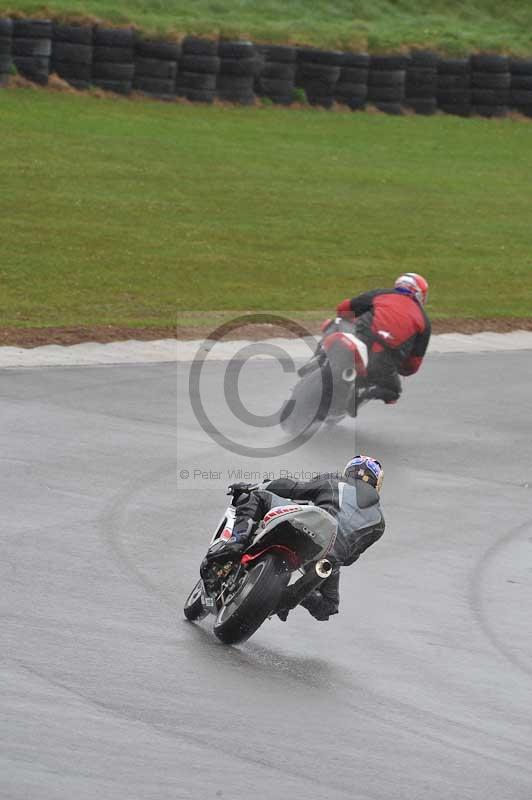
{"points": [[6, 63], [421, 82], [32, 48], [239, 64], [156, 68], [520, 86], [490, 85], [198, 67], [276, 73], [72, 54], [317, 73], [113, 59], [386, 83], [352, 86], [454, 86]]}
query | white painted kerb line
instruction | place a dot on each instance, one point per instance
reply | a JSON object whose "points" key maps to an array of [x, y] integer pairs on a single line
{"points": [[172, 350], [90, 354], [303, 348]]}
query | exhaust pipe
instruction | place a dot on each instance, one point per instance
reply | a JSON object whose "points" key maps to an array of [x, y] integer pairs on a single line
{"points": [[349, 374], [311, 580], [323, 568]]}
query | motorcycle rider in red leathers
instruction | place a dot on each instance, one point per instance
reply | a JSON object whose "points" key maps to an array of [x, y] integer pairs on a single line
{"points": [[396, 329]]}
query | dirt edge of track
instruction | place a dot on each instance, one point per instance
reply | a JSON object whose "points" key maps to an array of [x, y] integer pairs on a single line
{"points": [[37, 337]]}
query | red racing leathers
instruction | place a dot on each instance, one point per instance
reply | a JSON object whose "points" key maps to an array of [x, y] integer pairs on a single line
{"points": [[397, 331]]}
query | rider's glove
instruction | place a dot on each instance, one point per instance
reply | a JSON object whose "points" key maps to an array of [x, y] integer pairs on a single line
{"points": [[238, 489], [344, 309]]}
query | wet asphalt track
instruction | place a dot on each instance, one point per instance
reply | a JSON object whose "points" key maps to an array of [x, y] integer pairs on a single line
{"points": [[420, 688]]}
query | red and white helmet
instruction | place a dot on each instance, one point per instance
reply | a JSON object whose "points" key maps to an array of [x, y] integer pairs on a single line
{"points": [[413, 284]]}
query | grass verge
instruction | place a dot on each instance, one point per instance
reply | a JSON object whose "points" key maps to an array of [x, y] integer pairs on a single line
{"points": [[450, 26], [116, 212]]}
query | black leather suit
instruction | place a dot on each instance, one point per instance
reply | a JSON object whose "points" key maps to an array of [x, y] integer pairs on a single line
{"points": [[353, 503]]}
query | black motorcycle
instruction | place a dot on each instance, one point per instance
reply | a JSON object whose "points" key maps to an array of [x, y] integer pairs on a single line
{"points": [[285, 560]]}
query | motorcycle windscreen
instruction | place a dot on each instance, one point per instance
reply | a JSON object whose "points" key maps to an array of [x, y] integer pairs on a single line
{"points": [[309, 531]]}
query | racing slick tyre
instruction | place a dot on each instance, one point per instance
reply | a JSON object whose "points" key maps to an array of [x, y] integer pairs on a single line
{"points": [[254, 599], [193, 608], [341, 366], [309, 403]]}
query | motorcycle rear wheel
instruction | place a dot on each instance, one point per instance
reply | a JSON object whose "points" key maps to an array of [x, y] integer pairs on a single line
{"points": [[255, 598], [193, 608]]}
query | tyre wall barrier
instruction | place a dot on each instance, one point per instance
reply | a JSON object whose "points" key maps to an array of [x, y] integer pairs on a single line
{"points": [[239, 64], [453, 92], [113, 65], [197, 70], [31, 48], [386, 82], [156, 68], [276, 73], [72, 52], [521, 85], [6, 47], [352, 85], [317, 74], [121, 60], [490, 85], [421, 82]]}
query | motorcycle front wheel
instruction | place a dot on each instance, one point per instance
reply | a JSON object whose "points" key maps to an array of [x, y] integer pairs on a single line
{"points": [[257, 595], [193, 608]]}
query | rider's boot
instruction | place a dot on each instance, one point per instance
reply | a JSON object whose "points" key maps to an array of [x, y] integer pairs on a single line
{"points": [[320, 607], [375, 392]]}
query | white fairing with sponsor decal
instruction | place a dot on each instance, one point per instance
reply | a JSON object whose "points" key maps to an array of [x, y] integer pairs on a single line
{"points": [[225, 527], [315, 522], [360, 346]]}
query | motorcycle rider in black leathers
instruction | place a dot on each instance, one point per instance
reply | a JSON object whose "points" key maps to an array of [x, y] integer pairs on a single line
{"points": [[352, 499]]}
